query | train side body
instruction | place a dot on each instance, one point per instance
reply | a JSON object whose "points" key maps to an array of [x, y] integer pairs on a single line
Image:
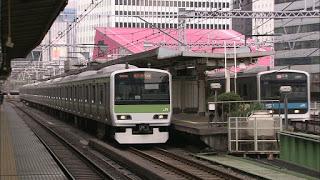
{"points": [[91, 95]]}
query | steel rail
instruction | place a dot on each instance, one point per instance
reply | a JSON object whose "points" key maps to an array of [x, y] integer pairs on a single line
{"points": [[198, 165]]}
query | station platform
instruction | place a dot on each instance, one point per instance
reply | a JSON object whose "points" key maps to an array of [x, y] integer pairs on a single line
{"points": [[214, 135], [254, 168], [22, 155], [198, 125]]}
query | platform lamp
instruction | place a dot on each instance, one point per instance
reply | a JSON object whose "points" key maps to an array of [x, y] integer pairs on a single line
{"points": [[285, 90], [215, 87]]}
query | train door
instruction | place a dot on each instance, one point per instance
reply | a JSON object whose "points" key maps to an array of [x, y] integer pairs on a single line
{"points": [[107, 99], [82, 99], [86, 101], [66, 98], [70, 98], [78, 98], [90, 99], [75, 96], [101, 100], [65, 89], [60, 97], [93, 99]]}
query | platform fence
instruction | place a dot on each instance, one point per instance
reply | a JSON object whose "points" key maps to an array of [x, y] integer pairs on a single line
{"points": [[254, 135], [226, 109]]}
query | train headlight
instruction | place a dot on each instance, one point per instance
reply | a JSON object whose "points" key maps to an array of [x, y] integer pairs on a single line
{"points": [[296, 111], [160, 116], [123, 117]]}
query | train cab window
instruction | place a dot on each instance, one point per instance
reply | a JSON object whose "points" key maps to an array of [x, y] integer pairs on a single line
{"points": [[142, 87]]}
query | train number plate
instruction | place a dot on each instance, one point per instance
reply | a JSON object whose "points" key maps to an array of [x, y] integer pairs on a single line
{"points": [[143, 129]]}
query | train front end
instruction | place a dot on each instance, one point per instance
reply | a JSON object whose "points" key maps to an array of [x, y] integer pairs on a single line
{"points": [[298, 99], [141, 106]]}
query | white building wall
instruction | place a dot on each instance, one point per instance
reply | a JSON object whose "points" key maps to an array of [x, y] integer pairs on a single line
{"points": [[108, 14], [263, 26]]}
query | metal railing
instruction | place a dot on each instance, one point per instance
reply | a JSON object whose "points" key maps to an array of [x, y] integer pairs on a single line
{"points": [[315, 109], [254, 134]]}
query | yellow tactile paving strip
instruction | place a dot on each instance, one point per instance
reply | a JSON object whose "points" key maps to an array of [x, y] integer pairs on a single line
{"points": [[7, 159]]}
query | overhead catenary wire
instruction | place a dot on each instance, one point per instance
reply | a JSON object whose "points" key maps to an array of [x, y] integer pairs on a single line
{"points": [[77, 20]]}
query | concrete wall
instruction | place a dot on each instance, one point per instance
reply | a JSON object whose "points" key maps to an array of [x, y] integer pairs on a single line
{"points": [[189, 96], [185, 96]]}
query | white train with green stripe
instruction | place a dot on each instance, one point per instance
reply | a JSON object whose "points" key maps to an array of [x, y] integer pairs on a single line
{"points": [[130, 104]]}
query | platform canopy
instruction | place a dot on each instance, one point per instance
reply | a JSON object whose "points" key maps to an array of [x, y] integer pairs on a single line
{"points": [[23, 25], [157, 48]]}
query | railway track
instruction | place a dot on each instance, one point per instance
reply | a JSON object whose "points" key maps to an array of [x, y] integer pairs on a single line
{"points": [[309, 126], [147, 163], [76, 162], [183, 167]]}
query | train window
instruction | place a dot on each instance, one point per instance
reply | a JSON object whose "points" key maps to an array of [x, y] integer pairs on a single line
{"points": [[70, 89], [87, 94], [107, 92], [80, 93], [101, 99], [75, 93], [67, 93], [93, 94], [71, 93]]}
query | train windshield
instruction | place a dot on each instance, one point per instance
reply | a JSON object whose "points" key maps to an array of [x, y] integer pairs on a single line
{"points": [[142, 87], [271, 83]]}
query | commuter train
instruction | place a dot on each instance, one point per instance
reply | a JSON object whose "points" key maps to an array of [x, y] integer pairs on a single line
{"points": [[269, 83], [132, 105]]}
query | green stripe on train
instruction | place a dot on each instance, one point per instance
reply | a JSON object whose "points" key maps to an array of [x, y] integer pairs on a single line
{"points": [[154, 108]]}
